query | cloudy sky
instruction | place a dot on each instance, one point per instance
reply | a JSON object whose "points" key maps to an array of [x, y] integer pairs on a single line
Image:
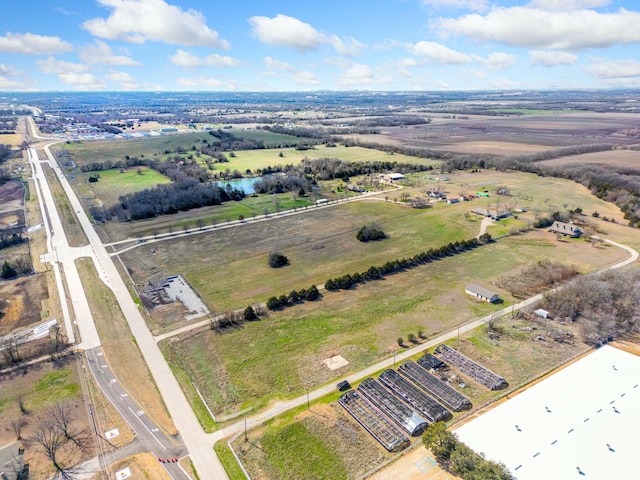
{"points": [[286, 45]]}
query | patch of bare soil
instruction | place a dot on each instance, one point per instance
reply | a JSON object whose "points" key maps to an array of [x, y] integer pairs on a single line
{"points": [[20, 302], [11, 197]]}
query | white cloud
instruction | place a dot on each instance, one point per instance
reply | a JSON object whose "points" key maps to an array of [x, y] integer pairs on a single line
{"points": [[349, 47], [478, 5], [82, 81], [608, 69], [290, 32], [126, 81], [300, 77], [547, 58], [285, 31], [207, 83], [305, 78], [51, 65], [497, 60], [101, 54], [10, 84], [567, 5], [438, 53], [137, 21], [186, 59], [273, 64], [359, 74], [527, 27], [32, 44], [8, 71]]}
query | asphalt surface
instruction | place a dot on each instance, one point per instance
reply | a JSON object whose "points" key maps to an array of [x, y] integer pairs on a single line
{"points": [[198, 443], [154, 439]]}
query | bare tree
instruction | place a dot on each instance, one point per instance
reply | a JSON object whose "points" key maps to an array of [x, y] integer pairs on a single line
{"points": [[21, 404], [62, 418], [56, 436], [17, 425]]}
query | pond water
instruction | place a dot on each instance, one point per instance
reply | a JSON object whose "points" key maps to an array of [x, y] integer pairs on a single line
{"points": [[245, 184]]}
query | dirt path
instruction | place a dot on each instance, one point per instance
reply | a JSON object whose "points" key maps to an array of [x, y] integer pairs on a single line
{"points": [[417, 464], [486, 221]]}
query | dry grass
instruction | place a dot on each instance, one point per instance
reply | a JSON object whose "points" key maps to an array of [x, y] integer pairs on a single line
{"points": [[321, 443], [121, 351], [107, 417], [72, 228], [142, 466], [611, 158]]}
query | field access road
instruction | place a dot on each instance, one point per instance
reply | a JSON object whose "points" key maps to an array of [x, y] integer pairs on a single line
{"points": [[197, 442], [280, 407]]}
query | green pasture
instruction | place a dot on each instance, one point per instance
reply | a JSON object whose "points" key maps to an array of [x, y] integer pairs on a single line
{"points": [[276, 357], [255, 159], [113, 183], [270, 139], [319, 243], [118, 149]]}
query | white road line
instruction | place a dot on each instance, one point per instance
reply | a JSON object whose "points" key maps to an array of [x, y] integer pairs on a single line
{"points": [[150, 432]]}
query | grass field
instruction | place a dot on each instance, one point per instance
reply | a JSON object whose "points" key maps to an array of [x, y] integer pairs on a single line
{"points": [[101, 150], [72, 228], [612, 158], [39, 387], [327, 430], [113, 183], [275, 357], [254, 159], [319, 244]]}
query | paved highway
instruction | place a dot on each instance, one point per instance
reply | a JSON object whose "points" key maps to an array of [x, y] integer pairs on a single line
{"points": [[197, 442], [199, 445]]}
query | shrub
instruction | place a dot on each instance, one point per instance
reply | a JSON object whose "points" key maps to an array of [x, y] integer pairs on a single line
{"points": [[273, 303], [370, 232], [277, 260], [250, 313], [8, 271]]}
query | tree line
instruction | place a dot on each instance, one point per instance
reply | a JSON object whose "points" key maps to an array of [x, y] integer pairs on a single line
{"points": [[348, 281], [167, 199]]}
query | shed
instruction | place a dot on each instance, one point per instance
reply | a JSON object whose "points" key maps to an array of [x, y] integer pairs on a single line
{"points": [[481, 293], [542, 313], [394, 176]]}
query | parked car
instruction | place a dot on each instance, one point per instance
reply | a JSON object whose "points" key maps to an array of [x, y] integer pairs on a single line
{"points": [[343, 386]]}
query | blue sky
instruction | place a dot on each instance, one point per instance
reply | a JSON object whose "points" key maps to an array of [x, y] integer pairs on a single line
{"points": [[282, 45]]}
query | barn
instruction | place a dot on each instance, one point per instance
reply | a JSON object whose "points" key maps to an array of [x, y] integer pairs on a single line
{"points": [[481, 293]]}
